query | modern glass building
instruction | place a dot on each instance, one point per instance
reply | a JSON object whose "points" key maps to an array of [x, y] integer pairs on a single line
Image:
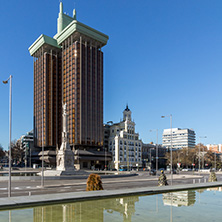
{"points": [[68, 68]]}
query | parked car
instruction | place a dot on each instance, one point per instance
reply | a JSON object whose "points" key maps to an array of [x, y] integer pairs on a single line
{"points": [[123, 169]]}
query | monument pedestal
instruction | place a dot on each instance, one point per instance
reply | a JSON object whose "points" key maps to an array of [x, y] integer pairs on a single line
{"points": [[65, 160], [58, 173]]}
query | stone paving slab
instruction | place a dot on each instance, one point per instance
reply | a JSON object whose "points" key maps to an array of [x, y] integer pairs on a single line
{"points": [[40, 200]]}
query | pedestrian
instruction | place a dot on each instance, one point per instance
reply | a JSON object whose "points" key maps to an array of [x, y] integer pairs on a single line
{"points": [[162, 181]]}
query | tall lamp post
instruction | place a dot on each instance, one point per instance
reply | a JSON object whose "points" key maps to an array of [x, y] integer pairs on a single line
{"points": [[199, 150], [10, 126], [105, 158], [157, 158], [215, 160], [171, 155]]}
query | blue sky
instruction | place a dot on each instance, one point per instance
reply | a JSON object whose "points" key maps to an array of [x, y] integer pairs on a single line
{"points": [[163, 57]]}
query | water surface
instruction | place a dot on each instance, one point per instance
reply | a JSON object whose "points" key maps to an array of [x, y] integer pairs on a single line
{"points": [[195, 205]]}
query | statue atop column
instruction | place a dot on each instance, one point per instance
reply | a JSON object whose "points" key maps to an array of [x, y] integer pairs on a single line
{"points": [[64, 122], [65, 156]]}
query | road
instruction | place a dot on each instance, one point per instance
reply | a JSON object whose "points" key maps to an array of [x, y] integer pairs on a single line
{"points": [[32, 187]]}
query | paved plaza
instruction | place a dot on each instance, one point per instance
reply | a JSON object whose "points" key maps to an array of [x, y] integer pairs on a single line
{"points": [[29, 186]]}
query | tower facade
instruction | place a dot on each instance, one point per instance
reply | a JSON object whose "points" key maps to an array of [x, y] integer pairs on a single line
{"points": [[68, 68]]}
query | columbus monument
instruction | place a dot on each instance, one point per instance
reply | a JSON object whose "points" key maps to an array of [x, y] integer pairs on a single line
{"points": [[65, 156]]}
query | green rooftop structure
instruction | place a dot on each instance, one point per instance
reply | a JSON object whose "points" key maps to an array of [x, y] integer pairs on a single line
{"points": [[68, 68], [67, 26]]}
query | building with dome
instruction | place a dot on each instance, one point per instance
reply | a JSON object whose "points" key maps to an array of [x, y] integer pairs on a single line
{"points": [[124, 143]]}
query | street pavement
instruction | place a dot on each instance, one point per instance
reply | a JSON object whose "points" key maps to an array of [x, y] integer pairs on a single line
{"points": [[141, 180]]}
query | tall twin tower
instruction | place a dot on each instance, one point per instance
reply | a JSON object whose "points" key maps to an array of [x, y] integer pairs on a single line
{"points": [[68, 68]]}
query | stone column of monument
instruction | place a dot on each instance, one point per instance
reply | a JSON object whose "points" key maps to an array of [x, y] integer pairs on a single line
{"points": [[65, 156]]}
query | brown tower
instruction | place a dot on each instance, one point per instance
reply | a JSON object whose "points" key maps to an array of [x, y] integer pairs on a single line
{"points": [[47, 96], [68, 68]]}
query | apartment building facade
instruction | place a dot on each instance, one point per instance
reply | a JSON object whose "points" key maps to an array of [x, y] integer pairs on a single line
{"points": [[181, 138], [124, 143]]}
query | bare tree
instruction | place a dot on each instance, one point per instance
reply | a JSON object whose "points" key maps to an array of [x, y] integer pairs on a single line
{"points": [[17, 151], [2, 153]]}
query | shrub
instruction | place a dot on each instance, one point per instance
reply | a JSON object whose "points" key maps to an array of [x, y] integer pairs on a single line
{"points": [[94, 182]]}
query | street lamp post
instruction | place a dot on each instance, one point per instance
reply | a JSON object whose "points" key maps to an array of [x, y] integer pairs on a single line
{"points": [[25, 157], [30, 160], [215, 160], [171, 155], [199, 159], [157, 157], [105, 159], [150, 159], [203, 158], [10, 126]]}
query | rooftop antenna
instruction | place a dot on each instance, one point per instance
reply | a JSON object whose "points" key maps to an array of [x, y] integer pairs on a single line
{"points": [[60, 6], [74, 11]]}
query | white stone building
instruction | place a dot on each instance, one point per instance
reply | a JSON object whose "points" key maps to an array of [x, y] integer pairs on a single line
{"points": [[124, 143], [181, 138]]}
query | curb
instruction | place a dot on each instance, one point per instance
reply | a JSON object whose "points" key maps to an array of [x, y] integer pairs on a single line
{"points": [[48, 199]]}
